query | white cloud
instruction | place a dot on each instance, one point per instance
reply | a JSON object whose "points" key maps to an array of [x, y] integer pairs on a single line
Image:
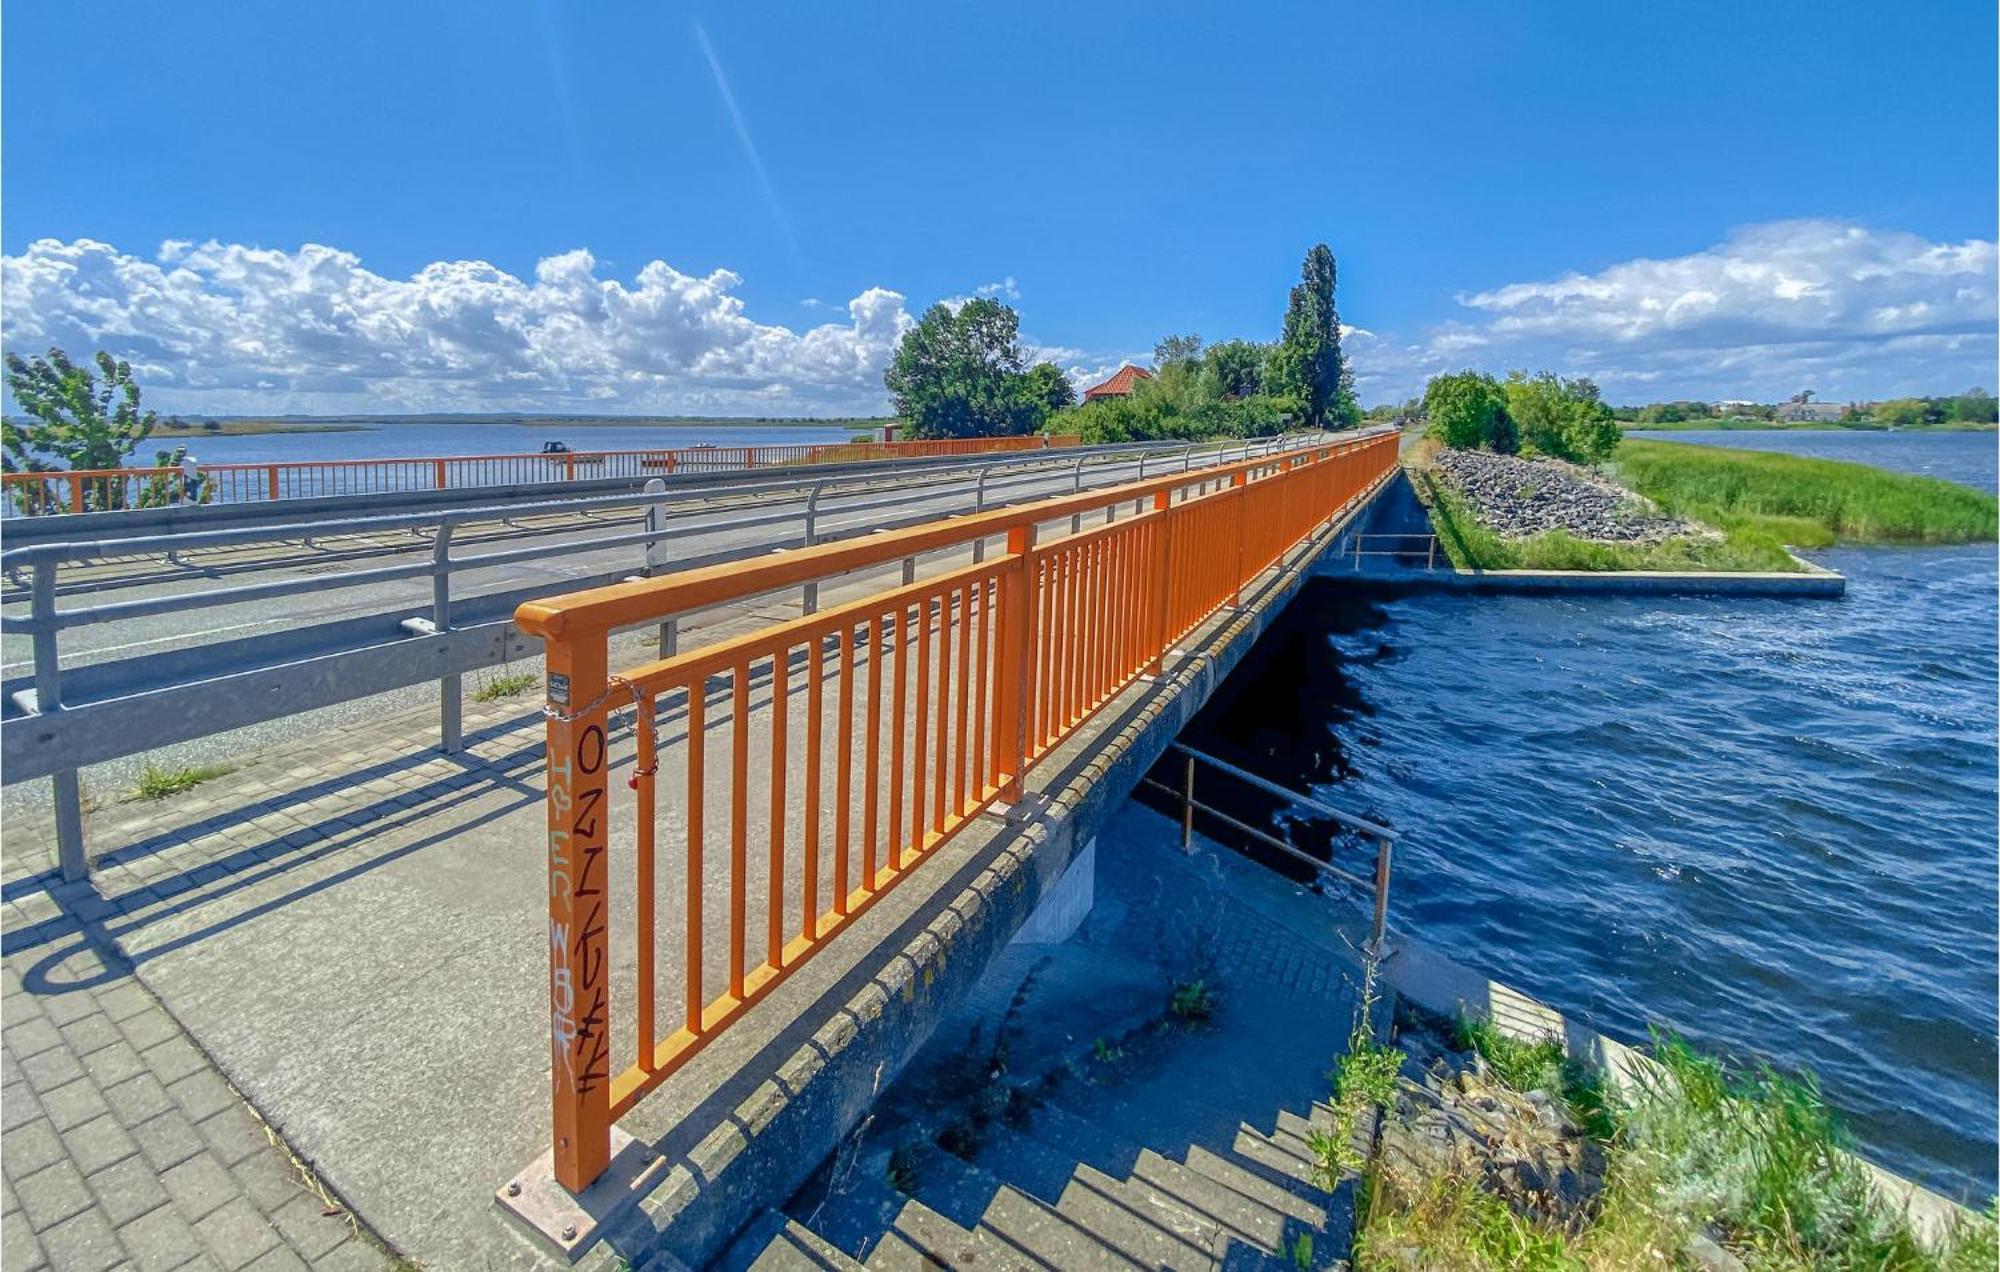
{"points": [[1005, 287], [224, 327], [1851, 311]]}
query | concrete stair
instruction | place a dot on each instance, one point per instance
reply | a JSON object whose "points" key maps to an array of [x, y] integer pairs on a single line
{"points": [[1088, 1128], [1240, 1200]]}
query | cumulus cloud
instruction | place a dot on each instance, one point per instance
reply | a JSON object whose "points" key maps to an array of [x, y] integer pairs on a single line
{"points": [[224, 327], [1006, 287], [1852, 311]]}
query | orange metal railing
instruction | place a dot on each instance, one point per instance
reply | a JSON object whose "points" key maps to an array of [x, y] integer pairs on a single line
{"points": [[876, 728], [110, 489]]}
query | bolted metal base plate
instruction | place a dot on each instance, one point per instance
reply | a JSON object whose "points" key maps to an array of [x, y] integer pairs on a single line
{"points": [[569, 1223]]}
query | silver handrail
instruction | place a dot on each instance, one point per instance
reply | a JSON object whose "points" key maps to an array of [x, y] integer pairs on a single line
{"points": [[1384, 837]]}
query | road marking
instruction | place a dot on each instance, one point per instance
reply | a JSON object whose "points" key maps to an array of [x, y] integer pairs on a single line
{"points": [[155, 640]]}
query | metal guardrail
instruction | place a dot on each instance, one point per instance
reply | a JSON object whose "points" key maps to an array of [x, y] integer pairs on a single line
{"points": [[939, 694], [63, 718], [1385, 839], [69, 492]]}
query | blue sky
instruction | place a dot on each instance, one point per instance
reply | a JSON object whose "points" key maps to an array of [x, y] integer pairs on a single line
{"points": [[281, 206]]}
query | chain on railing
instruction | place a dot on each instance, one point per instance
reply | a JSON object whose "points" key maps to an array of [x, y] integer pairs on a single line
{"points": [[913, 708], [61, 491]]}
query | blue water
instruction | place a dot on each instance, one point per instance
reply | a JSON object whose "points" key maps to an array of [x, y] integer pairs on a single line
{"points": [[1769, 825], [1967, 458], [499, 438]]}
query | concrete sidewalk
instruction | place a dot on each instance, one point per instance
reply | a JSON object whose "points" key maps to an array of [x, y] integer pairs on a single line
{"points": [[123, 1146]]}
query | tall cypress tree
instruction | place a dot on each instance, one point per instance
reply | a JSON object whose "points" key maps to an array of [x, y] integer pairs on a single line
{"points": [[1307, 363]]}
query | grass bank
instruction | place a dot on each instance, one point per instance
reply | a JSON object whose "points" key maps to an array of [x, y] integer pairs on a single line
{"points": [[1802, 501], [1703, 1165]]}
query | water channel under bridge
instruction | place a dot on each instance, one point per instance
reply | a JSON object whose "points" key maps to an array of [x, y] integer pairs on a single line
{"points": [[868, 771]]}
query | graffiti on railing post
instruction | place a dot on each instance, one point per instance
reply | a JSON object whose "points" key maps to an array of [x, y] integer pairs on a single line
{"points": [[579, 1050]]}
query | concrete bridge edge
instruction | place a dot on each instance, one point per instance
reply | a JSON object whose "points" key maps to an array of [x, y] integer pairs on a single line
{"points": [[758, 1156]]}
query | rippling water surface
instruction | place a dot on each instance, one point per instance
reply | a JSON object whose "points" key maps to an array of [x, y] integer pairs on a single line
{"points": [[1769, 825]]}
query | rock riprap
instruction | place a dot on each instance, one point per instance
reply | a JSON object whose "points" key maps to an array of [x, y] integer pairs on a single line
{"points": [[1517, 497]]}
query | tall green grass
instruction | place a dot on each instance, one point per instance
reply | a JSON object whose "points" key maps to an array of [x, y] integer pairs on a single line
{"points": [[1808, 502], [1753, 1160]]}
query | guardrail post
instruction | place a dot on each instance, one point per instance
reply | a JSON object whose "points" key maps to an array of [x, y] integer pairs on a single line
{"points": [[979, 505], [48, 700], [579, 962], [1187, 459], [1384, 846], [668, 637], [451, 688], [1015, 669], [809, 594], [1076, 487]]}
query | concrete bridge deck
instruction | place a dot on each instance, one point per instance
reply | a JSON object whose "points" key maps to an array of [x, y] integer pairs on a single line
{"points": [[353, 929]]}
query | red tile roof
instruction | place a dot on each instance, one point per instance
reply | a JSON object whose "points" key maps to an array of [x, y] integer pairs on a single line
{"points": [[1119, 385]]}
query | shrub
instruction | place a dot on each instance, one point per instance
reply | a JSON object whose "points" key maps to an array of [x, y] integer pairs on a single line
{"points": [[1468, 411], [1566, 418]]}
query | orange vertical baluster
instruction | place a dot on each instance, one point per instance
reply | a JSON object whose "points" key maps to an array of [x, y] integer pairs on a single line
{"points": [[963, 751], [739, 822], [774, 909], [873, 759], [642, 868], [815, 728], [694, 882], [897, 720], [981, 753], [843, 779], [920, 776], [941, 767]]}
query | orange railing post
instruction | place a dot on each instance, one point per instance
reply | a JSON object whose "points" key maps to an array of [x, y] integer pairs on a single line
{"points": [[1163, 580], [1238, 483], [579, 966], [438, 474], [1015, 663], [271, 481], [76, 494]]}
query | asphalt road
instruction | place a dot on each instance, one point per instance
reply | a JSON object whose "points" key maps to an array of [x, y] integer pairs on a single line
{"points": [[717, 524]]}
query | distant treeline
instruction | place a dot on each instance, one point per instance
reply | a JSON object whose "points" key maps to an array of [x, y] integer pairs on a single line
{"points": [[1971, 408], [1975, 408]]}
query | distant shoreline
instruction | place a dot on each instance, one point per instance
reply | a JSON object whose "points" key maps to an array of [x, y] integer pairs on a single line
{"points": [[1812, 426], [249, 428]]}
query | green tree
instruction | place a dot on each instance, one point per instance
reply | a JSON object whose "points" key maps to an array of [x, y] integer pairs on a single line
{"points": [[1307, 365], [1468, 411], [1236, 368], [1566, 418], [1046, 384], [1176, 349], [961, 374], [78, 420], [1904, 412], [1974, 406]]}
